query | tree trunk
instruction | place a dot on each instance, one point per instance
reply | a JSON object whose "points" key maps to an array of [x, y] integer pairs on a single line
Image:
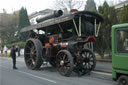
{"points": [[102, 54]]}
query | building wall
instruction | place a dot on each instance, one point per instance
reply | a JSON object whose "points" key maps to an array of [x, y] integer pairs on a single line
{"points": [[121, 4]]}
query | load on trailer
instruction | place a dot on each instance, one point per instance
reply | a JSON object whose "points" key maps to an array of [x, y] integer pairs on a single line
{"points": [[62, 41]]}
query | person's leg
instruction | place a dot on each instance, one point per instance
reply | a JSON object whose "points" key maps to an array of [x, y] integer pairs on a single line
{"points": [[14, 63], [13, 59]]}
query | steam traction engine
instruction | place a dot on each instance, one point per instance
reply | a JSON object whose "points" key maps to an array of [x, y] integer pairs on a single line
{"points": [[62, 41]]}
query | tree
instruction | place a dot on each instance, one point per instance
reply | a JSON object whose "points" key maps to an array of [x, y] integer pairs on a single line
{"points": [[23, 22], [90, 5], [69, 4], [8, 27], [124, 15], [104, 39]]}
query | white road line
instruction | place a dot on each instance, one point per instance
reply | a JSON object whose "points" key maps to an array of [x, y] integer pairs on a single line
{"points": [[108, 74], [37, 76]]}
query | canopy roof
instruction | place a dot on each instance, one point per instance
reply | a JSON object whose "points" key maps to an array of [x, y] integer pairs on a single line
{"points": [[89, 16]]}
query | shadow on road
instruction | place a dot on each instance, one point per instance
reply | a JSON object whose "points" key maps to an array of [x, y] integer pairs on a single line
{"points": [[48, 68]]}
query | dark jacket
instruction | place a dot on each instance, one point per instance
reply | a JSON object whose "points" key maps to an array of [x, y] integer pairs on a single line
{"points": [[13, 52]]}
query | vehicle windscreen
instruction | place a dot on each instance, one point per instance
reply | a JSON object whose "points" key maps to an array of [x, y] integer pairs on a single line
{"points": [[122, 41], [87, 28]]}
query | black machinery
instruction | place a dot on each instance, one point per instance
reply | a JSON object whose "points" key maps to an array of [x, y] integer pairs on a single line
{"points": [[62, 41]]}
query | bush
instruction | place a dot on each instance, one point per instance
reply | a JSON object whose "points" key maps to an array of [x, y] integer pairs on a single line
{"points": [[20, 44]]}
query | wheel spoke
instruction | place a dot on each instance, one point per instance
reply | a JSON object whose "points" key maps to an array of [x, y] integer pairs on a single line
{"points": [[33, 49], [29, 60], [31, 64], [33, 61], [68, 65], [34, 58], [87, 65], [64, 56], [31, 43], [88, 54], [28, 47], [90, 65], [83, 55], [27, 53], [61, 57], [66, 62], [61, 69]]}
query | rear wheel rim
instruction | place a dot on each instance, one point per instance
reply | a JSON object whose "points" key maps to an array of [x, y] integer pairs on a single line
{"points": [[30, 54], [88, 62]]}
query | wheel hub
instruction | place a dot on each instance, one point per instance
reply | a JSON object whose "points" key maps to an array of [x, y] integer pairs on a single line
{"points": [[87, 60], [123, 81], [32, 53], [61, 62]]}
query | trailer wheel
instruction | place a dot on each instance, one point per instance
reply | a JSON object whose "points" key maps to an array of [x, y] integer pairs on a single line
{"points": [[123, 80], [64, 62], [89, 61], [33, 54]]}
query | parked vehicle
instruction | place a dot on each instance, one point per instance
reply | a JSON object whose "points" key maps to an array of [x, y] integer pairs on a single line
{"points": [[120, 53], [60, 40]]}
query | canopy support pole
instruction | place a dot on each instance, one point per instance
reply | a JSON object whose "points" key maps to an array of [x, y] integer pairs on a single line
{"points": [[75, 27]]}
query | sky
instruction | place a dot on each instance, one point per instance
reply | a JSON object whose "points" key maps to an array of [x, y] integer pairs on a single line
{"points": [[35, 5]]}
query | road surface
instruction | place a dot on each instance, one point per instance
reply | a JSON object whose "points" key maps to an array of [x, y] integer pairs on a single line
{"points": [[46, 76]]}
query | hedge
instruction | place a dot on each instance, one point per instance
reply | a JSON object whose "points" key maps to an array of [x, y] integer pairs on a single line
{"points": [[20, 44]]}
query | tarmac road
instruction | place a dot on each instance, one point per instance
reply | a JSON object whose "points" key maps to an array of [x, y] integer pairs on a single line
{"points": [[46, 76]]}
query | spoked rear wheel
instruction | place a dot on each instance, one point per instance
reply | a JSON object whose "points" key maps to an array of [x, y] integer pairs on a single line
{"points": [[89, 61], [64, 62], [33, 54]]}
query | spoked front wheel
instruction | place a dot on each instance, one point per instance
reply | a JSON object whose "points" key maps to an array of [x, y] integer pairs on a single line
{"points": [[64, 62]]}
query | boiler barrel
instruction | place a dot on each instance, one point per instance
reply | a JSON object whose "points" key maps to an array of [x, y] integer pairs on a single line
{"points": [[56, 13]]}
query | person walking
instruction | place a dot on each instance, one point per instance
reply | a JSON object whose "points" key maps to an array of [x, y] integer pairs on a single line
{"points": [[13, 55]]}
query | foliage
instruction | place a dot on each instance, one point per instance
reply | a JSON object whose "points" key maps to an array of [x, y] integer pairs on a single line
{"points": [[8, 27], [69, 4], [90, 5], [104, 39], [23, 22], [124, 15], [20, 44]]}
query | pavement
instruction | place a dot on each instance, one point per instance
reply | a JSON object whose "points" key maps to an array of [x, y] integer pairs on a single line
{"points": [[101, 65], [104, 67], [48, 75]]}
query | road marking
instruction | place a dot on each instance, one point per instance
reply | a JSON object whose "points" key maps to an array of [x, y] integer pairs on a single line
{"points": [[37, 76], [103, 73]]}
